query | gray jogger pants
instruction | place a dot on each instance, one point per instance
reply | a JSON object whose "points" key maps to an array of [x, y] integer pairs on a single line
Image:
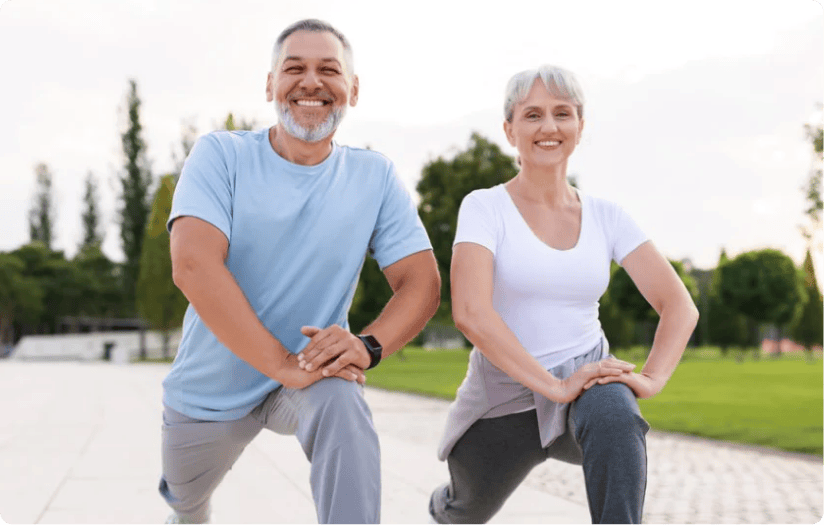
{"points": [[495, 455], [333, 425]]}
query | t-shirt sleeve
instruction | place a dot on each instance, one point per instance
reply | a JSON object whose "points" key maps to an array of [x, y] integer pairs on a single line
{"points": [[476, 223], [626, 234], [204, 189], [399, 231]]}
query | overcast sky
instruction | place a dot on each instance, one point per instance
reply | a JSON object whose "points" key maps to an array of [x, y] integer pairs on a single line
{"points": [[695, 110]]}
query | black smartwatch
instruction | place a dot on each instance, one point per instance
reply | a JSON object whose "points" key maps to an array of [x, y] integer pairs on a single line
{"points": [[374, 348]]}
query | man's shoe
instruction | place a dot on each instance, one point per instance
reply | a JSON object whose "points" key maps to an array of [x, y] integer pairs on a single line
{"points": [[175, 520]]}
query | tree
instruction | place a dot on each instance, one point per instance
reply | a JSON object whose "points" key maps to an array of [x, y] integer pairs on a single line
{"points": [[763, 285], [103, 293], [807, 327], [21, 297], [92, 235], [726, 326], [187, 142], [230, 125], [159, 301], [41, 214], [443, 185], [630, 301], [135, 182], [618, 327], [812, 188], [62, 283]]}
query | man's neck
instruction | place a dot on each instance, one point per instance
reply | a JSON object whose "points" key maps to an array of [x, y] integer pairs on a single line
{"points": [[298, 151]]}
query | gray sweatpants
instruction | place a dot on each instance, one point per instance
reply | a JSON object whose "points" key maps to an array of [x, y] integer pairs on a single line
{"points": [[605, 430], [333, 425]]}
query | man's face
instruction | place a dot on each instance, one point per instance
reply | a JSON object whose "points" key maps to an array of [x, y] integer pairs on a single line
{"points": [[310, 85]]}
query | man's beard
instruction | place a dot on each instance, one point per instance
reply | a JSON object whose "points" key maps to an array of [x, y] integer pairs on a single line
{"points": [[315, 133]]}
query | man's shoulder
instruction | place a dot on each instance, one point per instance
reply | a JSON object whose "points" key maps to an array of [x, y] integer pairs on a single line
{"points": [[365, 156], [234, 138]]}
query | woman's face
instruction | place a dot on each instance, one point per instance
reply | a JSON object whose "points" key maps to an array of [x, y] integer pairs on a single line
{"points": [[545, 129]]}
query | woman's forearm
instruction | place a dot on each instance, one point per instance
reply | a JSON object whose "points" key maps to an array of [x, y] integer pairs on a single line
{"points": [[677, 322], [490, 334]]}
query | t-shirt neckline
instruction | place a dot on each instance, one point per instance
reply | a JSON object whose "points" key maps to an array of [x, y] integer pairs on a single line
{"points": [[513, 208]]}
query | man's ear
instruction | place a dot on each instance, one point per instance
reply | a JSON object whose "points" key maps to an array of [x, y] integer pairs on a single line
{"points": [[270, 87], [353, 94]]}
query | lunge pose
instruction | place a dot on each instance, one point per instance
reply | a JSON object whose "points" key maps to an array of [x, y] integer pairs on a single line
{"points": [[269, 230], [531, 258]]}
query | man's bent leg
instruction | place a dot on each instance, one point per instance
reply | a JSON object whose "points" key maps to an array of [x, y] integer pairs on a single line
{"points": [[196, 456], [609, 428], [334, 426]]}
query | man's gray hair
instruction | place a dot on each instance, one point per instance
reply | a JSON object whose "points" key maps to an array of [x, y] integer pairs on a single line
{"points": [[559, 82], [315, 26]]}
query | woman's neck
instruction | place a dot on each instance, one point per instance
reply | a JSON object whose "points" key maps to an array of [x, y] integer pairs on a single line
{"points": [[545, 185]]}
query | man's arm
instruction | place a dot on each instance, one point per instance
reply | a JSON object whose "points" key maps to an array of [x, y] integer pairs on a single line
{"points": [[199, 251], [416, 286]]}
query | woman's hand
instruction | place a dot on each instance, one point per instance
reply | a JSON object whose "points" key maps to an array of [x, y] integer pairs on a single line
{"points": [[643, 385], [588, 375]]}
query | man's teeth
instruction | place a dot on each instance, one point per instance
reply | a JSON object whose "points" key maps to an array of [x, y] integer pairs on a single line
{"points": [[548, 143], [309, 102]]}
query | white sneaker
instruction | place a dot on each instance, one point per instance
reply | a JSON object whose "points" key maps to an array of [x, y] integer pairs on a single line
{"points": [[175, 520]]}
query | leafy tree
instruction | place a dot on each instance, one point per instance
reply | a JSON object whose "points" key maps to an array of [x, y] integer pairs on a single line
{"points": [[443, 185], [21, 297], [159, 301], [103, 293], [630, 301], [230, 125], [618, 327], [187, 142], [92, 234], [41, 214], [763, 285], [135, 182], [62, 283], [807, 326], [812, 188], [726, 326]]}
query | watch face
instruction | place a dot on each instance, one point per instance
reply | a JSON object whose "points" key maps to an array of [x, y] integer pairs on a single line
{"points": [[371, 342]]}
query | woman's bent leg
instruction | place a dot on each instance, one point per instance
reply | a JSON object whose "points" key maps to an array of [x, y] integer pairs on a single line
{"points": [[486, 465], [608, 426]]}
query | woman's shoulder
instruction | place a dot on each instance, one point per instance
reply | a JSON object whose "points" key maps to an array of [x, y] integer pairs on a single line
{"points": [[487, 196]]}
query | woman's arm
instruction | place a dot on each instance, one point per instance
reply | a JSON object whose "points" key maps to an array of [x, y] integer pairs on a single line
{"points": [[474, 315], [662, 288]]}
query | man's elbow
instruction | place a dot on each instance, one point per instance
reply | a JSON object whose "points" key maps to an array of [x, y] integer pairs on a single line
{"points": [[184, 271]]}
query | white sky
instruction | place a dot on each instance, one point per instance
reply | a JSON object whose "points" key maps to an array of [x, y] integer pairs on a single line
{"points": [[694, 117]]}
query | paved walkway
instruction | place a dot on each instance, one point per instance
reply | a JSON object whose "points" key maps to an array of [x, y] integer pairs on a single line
{"points": [[80, 443]]}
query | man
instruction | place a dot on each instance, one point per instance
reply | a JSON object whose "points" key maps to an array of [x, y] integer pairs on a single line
{"points": [[269, 230]]}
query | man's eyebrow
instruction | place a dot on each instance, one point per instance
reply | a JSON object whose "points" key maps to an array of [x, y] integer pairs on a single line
{"points": [[299, 58]]}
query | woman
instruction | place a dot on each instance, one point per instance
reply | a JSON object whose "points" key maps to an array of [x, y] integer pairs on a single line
{"points": [[530, 260]]}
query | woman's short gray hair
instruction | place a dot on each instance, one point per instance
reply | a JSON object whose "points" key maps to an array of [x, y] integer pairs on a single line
{"points": [[559, 82]]}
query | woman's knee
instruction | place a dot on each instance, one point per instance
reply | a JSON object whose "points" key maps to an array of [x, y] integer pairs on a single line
{"points": [[610, 408]]}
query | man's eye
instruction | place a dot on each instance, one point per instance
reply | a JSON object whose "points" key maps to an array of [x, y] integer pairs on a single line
{"points": [[330, 70]]}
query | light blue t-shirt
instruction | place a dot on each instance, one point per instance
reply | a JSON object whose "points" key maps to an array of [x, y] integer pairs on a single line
{"points": [[297, 236]]}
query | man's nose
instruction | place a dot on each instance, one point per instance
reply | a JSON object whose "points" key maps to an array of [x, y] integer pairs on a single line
{"points": [[311, 80]]}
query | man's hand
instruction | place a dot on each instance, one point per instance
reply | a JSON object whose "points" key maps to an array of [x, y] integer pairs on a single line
{"points": [[332, 349], [292, 375]]}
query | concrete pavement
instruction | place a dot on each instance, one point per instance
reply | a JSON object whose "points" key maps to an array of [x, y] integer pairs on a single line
{"points": [[80, 443]]}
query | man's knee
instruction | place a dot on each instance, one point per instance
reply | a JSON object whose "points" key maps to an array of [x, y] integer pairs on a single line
{"points": [[336, 407]]}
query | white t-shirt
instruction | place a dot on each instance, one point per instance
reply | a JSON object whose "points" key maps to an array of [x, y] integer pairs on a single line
{"points": [[548, 297]]}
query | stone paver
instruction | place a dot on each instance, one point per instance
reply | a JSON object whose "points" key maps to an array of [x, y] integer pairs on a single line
{"points": [[80, 443]]}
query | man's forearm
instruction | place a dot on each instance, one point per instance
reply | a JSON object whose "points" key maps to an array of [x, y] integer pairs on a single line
{"points": [[413, 303], [221, 304]]}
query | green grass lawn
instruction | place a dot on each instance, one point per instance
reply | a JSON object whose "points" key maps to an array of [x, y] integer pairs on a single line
{"points": [[770, 402]]}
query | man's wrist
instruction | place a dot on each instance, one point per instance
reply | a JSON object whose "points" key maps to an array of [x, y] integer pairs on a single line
{"points": [[373, 349]]}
